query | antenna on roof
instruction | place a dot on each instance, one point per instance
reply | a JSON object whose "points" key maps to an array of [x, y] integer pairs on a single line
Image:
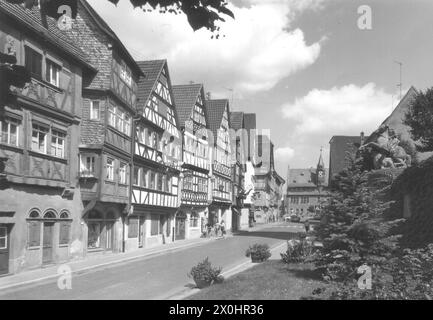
{"points": [[400, 84]]}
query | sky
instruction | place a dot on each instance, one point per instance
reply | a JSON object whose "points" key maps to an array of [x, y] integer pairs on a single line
{"points": [[305, 67]]}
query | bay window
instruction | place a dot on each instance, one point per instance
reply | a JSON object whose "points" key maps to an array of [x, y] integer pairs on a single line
{"points": [[39, 138], [52, 74], [110, 169], [9, 131], [58, 144], [87, 165]]}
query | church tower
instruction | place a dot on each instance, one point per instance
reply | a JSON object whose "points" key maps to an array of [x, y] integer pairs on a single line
{"points": [[320, 170]]}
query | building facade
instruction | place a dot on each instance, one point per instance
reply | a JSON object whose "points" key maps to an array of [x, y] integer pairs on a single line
{"points": [[192, 111], [155, 219], [109, 105], [40, 206], [267, 183], [221, 166], [306, 190]]}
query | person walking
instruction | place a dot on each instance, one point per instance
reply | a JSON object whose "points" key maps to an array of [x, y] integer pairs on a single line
{"points": [[223, 228]]}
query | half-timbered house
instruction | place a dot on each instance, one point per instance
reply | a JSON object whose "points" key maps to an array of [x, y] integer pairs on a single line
{"points": [[221, 162], [157, 161], [109, 105], [191, 107], [239, 139], [40, 209]]}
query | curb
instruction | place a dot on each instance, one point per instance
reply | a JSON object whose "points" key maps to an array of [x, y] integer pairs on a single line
{"points": [[185, 293]]}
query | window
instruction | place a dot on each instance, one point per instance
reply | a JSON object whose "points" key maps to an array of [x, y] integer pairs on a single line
{"points": [[193, 223], [112, 116], [110, 169], [119, 120], [136, 181], [3, 238], [125, 74], [94, 110], [52, 73], [144, 177], [33, 62], [159, 182], [87, 165], [305, 199], [39, 138], [154, 225], [122, 173], [9, 131], [152, 179], [58, 144]]}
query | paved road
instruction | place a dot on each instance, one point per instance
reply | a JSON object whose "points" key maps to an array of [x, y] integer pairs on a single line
{"points": [[153, 277]]}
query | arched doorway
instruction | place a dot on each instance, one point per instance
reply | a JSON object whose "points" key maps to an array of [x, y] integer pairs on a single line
{"points": [[180, 222]]}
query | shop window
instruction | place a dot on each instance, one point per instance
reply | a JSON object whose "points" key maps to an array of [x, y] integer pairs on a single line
{"points": [[94, 234]]}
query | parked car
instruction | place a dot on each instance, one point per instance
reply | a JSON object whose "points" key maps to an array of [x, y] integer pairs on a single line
{"points": [[295, 218]]}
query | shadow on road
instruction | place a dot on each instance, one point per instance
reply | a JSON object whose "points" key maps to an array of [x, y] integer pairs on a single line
{"points": [[281, 235]]}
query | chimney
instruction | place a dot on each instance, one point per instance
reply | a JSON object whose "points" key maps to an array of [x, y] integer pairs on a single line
{"points": [[362, 138]]}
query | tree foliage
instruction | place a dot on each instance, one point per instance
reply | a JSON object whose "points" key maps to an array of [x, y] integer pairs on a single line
{"points": [[420, 119], [200, 13], [354, 229]]}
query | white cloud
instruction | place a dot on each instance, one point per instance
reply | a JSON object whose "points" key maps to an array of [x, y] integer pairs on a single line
{"points": [[284, 153], [314, 118], [346, 110], [256, 52]]}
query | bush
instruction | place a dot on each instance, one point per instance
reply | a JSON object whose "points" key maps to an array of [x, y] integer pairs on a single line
{"points": [[204, 271], [298, 251], [259, 252]]}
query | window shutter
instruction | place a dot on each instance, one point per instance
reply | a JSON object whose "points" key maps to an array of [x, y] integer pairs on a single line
{"points": [[65, 231], [133, 227], [34, 239]]}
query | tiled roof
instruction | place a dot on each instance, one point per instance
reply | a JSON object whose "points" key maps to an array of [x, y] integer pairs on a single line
{"points": [[302, 178], [237, 120], [215, 111], [106, 28], [152, 70], [185, 97], [32, 19], [146, 84]]}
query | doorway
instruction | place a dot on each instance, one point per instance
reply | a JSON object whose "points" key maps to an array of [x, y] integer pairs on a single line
{"points": [[4, 249], [180, 226], [47, 247]]}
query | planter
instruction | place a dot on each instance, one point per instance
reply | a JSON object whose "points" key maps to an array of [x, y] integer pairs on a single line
{"points": [[256, 259], [202, 283]]}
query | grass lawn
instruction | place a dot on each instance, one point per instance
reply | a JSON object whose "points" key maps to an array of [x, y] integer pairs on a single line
{"points": [[271, 280]]}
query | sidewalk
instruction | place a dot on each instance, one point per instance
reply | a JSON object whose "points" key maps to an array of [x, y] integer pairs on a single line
{"points": [[103, 260], [96, 261]]}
